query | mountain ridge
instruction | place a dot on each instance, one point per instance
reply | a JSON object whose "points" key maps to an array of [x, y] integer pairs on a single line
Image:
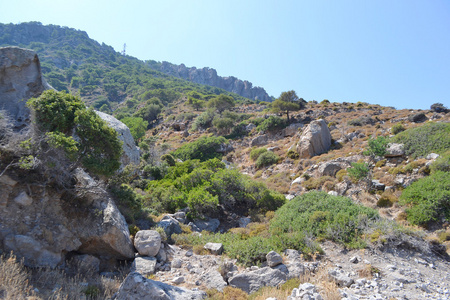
{"points": [[208, 76]]}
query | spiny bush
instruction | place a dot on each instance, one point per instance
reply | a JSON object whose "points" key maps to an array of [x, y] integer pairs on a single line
{"points": [[420, 141], [266, 159], [358, 171], [292, 154], [204, 120], [428, 199], [256, 152], [397, 128]]}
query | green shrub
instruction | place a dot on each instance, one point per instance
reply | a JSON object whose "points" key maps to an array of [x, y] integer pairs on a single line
{"points": [[223, 124], [155, 171], [169, 159], [272, 123], [397, 128], [266, 159], [203, 149], [204, 120], [200, 201], [428, 199], [377, 147], [55, 111], [358, 171], [292, 154], [97, 147], [203, 185], [256, 152], [136, 125], [325, 217], [420, 141]]}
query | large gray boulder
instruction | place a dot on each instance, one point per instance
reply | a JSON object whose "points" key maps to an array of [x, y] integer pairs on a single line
{"points": [[273, 259], [213, 280], [54, 223], [315, 140], [137, 287], [131, 153], [144, 265], [252, 281], [329, 169], [260, 140], [208, 225], [20, 80], [341, 278], [170, 225], [147, 242], [214, 248]]}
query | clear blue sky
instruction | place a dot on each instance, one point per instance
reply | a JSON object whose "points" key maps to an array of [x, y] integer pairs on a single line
{"points": [[393, 53]]}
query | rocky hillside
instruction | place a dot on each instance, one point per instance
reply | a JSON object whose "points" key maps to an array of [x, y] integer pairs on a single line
{"points": [[72, 61], [223, 199], [208, 76]]}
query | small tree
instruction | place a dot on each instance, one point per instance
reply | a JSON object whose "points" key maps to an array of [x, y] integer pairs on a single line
{"points": [[197, 104], [221, 103], [377, 147], [358, 171], [288, 101]]}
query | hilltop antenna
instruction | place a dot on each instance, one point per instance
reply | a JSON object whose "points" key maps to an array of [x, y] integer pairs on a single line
{"points": [[124, 49]]}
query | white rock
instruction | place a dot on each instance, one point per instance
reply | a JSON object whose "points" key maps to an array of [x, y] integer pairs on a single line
{"points": [[147, 242], [273, 259], [23, 199]]}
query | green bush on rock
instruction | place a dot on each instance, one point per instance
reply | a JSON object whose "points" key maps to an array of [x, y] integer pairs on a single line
{"points": [[97, 145]]}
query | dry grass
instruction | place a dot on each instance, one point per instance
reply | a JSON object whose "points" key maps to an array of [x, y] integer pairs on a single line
{"points": [[18, 282], [71, 284], [14, 280]]}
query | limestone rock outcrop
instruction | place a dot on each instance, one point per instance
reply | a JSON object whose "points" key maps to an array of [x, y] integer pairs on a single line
{"points": [[135, 286], [208, 76], [252, 281], [55, 223], [131, 153], [315, 140], [20, 80]]}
